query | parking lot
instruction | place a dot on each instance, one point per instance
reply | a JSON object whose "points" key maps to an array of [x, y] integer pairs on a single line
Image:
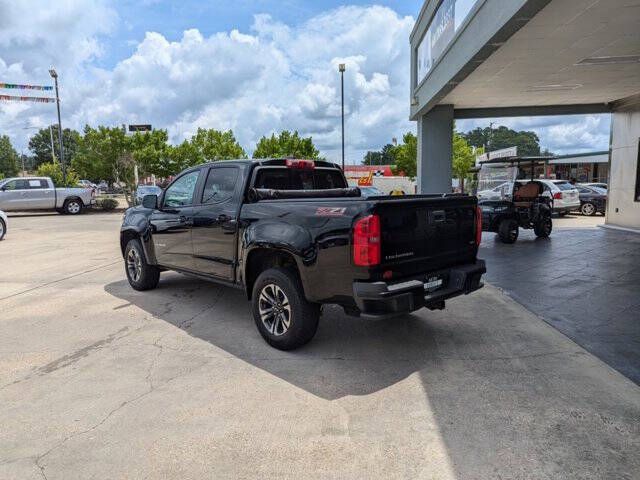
{"points": [[100, 381]]}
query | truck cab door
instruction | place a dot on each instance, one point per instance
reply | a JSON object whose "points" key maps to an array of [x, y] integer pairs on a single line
{"points": [[215, 223], [41, 195], [13, 196], [171, 223]]}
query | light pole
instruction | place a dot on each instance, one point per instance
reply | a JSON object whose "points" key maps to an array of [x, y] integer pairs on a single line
{"points": [[341, 69], [54, 75], [53, 153]]}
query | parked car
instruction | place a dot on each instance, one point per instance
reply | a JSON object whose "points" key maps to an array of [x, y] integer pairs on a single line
{"points": [[592, 200], [564, 196], [4, 223], [39, 193], [371, 192], [496, 193], [294, 236], [143, 190], [87, 184]]}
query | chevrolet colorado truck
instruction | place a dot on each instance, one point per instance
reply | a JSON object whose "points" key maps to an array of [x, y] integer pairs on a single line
{"points": [[39, 193], [294, 236]]}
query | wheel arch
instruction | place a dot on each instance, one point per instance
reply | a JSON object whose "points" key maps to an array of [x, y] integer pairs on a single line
{"points": [[260, 259]]}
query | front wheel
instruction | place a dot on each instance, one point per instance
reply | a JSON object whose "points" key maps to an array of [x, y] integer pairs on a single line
{"points": [[588, 209], [140, 274], [543, 228], [73, 206], [3, 229], [508, 231], [284, 317]]}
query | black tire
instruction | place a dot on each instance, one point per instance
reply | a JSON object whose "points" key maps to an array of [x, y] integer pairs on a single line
{"points": [[280, 290], [543, 228], [508, 231], [140, 274], [3, 229], [73, 206], [588, 209]]}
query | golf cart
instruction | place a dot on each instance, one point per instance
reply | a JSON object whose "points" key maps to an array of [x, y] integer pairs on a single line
{"points": [[514, 202]]}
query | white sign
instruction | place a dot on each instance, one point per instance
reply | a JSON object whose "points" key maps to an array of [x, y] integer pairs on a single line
{"points": [[503, 153]]}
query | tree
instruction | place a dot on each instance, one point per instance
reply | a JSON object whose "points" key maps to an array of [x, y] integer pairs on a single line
{"points": [[54, 170], [386, 156], [406, 156], [372, 158], [213, 145], [286, 144], [8, 157], [463, 158], [527, 142], [40, 145]]}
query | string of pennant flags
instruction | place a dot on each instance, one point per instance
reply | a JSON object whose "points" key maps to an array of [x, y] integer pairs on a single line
{"points": [[25, 98]]}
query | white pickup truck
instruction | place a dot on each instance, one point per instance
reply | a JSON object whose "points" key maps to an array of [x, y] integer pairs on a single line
{"points": [[39, 193]]}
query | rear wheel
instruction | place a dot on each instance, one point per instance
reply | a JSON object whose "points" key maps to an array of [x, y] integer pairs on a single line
{"points": [[284, 317], [508, 231], [73, 206], [588, 209], [140, 274], [543, 228]]}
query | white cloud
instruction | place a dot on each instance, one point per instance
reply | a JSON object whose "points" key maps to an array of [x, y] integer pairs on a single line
{"points": [[271, 77]]}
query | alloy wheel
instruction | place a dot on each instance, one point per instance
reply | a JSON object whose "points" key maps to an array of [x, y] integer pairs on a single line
{"points": [[73, 207], [588, 209], [134, 265], [274, 309]]}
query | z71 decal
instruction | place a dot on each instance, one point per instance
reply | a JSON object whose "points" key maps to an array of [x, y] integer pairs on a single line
{"points": [[330, 211]]}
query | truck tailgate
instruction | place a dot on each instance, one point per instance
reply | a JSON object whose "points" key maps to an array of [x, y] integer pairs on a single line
{"points": [[422, 234]]}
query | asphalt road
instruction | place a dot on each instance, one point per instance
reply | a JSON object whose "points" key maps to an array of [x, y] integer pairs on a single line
{"points": [[99, 381]]}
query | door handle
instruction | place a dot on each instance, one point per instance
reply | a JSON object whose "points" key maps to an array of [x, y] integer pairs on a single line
{"points": [[186, 220], [223, 218]]}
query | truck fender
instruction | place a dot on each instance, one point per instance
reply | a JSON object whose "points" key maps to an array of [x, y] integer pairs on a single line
{"points": [[293, 240], [140, 229]]}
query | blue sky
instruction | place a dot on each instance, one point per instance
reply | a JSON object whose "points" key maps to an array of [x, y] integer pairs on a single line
{"points": [[256, 67]]}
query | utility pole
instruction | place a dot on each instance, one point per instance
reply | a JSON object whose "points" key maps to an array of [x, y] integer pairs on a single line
{"points": [[341, 69], [54, 75], [490, 136], [53, 152]]}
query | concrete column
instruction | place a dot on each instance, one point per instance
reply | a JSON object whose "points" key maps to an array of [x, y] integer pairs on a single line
{"points": [[435, 148]]}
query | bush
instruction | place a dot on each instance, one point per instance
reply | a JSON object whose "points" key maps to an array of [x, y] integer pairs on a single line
{"points": [[107, 203], [54, 170]]}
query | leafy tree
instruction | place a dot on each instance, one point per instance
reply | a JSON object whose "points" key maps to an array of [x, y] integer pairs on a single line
{"points": [[286, 144], [54, 170], [527, 142], [8, 157], [386, 156], [213, 145], [406, 155], [40, 145], [372, 158], [180, 157], [463, 158]]}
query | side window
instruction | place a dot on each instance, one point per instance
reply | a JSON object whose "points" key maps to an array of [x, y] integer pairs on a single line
{"points": [[220, 185], [180, 192], [37, 184], [16, 185]]}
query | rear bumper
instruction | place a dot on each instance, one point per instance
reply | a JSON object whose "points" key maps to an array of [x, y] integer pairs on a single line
{"points": [[382, 299]]}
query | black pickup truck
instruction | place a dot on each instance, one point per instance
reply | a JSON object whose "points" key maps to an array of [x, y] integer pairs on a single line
{"points": [[294, 236]]}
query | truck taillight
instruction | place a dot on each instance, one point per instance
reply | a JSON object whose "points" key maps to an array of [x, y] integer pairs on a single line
{"points": [[478, 226], [557, 196], [301, 164], [366, 241]]}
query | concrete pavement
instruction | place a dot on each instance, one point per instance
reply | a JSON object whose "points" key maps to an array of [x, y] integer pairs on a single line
{"points": [[100, 381]]}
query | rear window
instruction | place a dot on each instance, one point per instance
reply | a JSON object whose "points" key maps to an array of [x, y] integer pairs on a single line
{"points": [[565, 186], [296, 179]]}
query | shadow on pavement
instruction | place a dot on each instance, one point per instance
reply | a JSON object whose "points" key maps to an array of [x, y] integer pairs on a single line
{"points": [[348, 356]]}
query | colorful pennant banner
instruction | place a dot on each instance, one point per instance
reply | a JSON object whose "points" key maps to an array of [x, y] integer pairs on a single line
{"points": [[25, 87], [15, 98]]}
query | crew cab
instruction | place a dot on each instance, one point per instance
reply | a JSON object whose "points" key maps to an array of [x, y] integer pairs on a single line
{"points": [[294, 236], [39, 193]]}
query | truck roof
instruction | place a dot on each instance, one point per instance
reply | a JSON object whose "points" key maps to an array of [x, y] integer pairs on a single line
{"points": [[268, 161]]}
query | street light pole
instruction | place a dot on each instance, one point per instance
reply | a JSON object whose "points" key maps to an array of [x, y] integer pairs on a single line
{"points": [[54, 75], [341, 69], [53, 153]]}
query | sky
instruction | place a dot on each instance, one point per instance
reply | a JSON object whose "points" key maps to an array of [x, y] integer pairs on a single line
{"points": [[256, 67]]}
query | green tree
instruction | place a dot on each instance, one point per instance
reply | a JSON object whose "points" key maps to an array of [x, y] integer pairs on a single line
{"points": [[372, 158], [493, 139], [286, 144], [406, 155], [40, 145], [54, 170], [8, 157], [463, 158], [386, 156], [213, 145], [180, 157]]}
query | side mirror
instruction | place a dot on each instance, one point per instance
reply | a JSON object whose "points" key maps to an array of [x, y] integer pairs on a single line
{"points": [[150, 201]]}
